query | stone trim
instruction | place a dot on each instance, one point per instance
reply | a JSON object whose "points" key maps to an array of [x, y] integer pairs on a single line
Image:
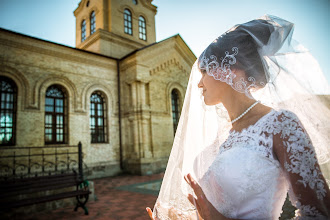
{"points": [[89, 89], [94, 8], [123, 7], [23, 86], [41, 86], [145, 18], [169, 88]]}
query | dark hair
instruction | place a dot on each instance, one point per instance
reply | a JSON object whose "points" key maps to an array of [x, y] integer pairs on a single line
{"points": [[248, 58]]}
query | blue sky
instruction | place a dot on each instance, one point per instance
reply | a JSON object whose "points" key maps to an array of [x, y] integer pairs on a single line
{"points": [[198, 22]]}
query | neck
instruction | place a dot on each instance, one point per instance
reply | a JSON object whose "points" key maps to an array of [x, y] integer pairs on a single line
{"points": [[237, 104]]}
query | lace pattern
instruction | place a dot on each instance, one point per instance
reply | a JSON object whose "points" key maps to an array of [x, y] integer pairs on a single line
{"points": [[253, 137], [245, 180], [221, 70], [304, 211], [252, 151], [302, 155]]}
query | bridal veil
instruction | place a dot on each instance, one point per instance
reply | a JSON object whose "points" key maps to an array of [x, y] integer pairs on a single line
{"points": [[281, 74]]}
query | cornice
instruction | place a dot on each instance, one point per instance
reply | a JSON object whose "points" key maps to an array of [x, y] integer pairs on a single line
{"points": [[111, 37], [162, 66], [79, 8], [149, 5], [143, 3], [120, 39], [90, 40]]}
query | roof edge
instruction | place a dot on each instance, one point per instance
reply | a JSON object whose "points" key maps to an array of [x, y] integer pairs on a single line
{"points": [[173, 36], [54, 43]]}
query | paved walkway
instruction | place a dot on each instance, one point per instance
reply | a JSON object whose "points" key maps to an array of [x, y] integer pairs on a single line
{"points": [[121, 197]]}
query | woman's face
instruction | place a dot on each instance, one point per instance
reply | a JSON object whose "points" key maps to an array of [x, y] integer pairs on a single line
{"points": [[213, 90]]}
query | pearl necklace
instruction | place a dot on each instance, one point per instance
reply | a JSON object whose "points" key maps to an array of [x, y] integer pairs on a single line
{"points": [[244, 113]]}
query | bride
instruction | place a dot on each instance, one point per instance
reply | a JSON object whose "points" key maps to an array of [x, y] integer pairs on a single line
{"points": [[251, 130]]}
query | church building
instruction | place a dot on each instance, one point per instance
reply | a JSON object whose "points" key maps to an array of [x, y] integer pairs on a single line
{"points": [[118, 92]]}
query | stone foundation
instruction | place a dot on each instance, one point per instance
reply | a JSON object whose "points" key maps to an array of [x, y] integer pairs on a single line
{"points": [[100, 170], [145, 166]]}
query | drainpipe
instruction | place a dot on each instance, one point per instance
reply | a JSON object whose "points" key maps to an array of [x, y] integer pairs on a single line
{"points": [[119, 116]]}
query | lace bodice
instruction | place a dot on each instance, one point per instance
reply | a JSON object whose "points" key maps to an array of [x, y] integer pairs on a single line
{"points": [[255, 169]]}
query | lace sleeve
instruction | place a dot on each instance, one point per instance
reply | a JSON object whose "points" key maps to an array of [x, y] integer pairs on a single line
{"points": [[308, 192]]}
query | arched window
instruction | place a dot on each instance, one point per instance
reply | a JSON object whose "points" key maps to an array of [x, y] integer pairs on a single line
{"points": [[83, 31], [92, 19], [142, 28], [8, 95], [56, 111], [135, 2], [175, 109], [98, 118], [128, 22]]}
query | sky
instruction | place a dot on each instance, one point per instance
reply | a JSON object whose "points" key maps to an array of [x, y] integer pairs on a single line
{"points": [[198, 22]]}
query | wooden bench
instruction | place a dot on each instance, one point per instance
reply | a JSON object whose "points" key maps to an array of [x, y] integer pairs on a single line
{"points": [[29, 191], [18, 190]]}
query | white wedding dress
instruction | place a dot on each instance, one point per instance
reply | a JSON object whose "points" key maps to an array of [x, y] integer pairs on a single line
{"points": [[249, 178]]}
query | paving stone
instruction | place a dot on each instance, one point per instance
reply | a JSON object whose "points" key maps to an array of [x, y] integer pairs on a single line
{"points": [[117, 198]]}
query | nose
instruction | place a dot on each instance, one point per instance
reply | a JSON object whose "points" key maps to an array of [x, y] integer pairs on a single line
{"points": [[200, 84]]}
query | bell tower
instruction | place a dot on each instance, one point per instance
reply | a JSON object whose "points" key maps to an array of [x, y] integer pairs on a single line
{"points": [[115, 27]]}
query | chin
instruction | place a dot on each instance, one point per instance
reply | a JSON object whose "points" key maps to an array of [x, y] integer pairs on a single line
{"points": [[211, 102], [207, 102]]}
